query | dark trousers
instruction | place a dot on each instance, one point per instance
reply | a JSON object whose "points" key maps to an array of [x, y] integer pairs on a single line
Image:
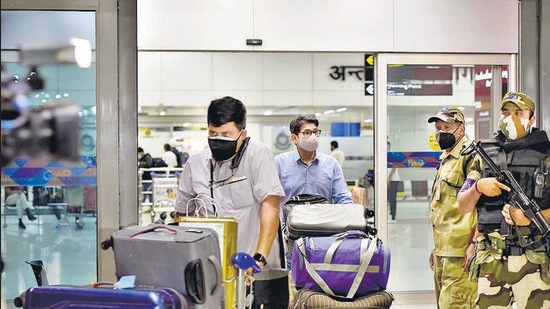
{"points": [[147, 187], [392, 198]]}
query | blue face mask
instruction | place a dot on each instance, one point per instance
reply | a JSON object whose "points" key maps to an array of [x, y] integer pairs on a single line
{"points": [[139, 157]]}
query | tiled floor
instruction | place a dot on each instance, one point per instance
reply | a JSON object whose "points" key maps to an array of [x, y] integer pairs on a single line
{"points": [[70, 255]]}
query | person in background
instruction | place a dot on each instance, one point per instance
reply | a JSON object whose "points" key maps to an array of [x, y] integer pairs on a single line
{"points": [[57, 198], [337, 153], [453, 231], [512, 260], [169, 157], [307, 171], [175, 150], [393, 184], [16, 197], [145, 161], [304, 170], [235, 177]]}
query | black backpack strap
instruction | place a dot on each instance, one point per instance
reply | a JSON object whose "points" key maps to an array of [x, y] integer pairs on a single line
{"points": [[281, 246]]}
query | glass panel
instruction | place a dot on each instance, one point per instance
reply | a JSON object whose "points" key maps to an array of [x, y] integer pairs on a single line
{"points": [[175, 89], [60, 226], [416, 92]]}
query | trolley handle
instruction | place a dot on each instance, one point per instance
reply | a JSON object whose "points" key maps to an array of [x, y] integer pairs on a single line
{"points": [[244, 261]]}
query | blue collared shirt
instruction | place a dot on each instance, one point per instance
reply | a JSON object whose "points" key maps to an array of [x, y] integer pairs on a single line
{"points": [[323, 176]]}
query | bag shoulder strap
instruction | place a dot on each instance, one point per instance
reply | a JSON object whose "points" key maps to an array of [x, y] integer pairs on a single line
{"points": [[311, 271], [366, 256]]}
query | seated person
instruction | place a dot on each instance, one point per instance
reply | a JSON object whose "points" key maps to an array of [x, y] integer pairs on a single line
{"points": [[16, 197]]}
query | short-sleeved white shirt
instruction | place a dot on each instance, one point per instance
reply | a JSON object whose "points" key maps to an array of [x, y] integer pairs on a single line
{"points": [[170, 159], [241, 200]]}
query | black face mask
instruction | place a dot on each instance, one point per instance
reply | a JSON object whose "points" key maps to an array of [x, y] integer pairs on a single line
{"points": [[223, 148], [446, 140]]}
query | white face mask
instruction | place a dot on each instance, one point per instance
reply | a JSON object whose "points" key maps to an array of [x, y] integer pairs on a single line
{"points": [[509, 129], [309, 143]]}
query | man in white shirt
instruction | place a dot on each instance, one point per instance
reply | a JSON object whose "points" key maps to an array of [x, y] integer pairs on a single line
{"points": [[239, 175], [169, 157], [337, 153]]}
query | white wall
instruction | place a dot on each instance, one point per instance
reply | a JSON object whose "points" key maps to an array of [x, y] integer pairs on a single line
{"points": [[259, 79], [466, 26]]}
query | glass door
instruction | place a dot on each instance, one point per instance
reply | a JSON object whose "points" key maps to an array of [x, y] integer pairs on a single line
{"points": [[411, 89], [48, 184]]}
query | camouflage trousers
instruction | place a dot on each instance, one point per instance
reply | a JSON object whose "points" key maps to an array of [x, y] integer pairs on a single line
{"points": [[453, 289], [502, 279]]}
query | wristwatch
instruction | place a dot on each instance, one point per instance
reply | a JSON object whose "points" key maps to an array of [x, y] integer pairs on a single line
{"points": [[260, 258]]}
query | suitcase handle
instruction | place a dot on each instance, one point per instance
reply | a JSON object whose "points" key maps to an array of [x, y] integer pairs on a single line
{"points": [[217, 270], [153, 228]]}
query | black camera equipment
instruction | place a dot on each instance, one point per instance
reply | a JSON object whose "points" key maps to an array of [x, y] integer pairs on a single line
{"points": [[48, 130]]}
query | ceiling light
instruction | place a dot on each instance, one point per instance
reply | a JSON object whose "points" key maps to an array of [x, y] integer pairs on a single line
{"points": [[342, 109]]}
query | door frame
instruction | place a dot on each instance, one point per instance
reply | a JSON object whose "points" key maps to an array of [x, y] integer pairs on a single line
{"points": [[116, 102], [381, 112]]}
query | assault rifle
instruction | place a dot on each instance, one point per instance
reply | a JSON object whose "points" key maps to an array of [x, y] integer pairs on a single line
{"points": [[516, 197]]}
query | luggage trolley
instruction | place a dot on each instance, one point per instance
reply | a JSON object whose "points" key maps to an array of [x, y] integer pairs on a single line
{"points": [[243, 261], [164, 185], [164, 190]]}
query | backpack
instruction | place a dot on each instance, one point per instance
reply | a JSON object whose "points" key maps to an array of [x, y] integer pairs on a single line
{"points": [[158, 162], [178, 157]]}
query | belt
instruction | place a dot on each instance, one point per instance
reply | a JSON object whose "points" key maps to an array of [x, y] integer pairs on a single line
{"points": [[508, 247]]}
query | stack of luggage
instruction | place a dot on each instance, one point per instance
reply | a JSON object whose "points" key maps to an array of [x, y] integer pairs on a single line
{"points": [[337, 260], [170, 267], [183, 258]]}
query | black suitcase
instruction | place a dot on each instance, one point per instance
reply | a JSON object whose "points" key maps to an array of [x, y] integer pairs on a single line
{"points": [[183, 258]]}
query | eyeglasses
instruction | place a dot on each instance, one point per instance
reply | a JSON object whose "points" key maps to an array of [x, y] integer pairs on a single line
{"points": [[307, 133]]}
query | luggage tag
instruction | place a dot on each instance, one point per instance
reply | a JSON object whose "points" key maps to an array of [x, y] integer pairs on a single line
{"points": [[126, 282]]}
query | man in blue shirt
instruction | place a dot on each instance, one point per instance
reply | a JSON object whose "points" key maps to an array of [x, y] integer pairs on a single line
{"points": [[306, 171]]}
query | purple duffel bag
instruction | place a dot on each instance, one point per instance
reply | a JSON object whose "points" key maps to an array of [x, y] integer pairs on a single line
{"points": [[348, 264]]}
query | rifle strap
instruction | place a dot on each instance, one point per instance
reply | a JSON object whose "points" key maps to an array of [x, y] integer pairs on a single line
{"points": [[502, 160]]}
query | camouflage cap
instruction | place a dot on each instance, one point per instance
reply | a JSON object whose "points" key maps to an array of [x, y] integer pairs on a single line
{"points": [[449, 115], [521, 100]]}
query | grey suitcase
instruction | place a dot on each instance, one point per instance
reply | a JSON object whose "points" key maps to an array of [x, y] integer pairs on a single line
{"points": [[325, 219], [183, 258]]}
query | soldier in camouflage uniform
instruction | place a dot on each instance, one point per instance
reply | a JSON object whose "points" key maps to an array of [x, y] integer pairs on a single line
{"points": [[453, 231], [509, 269]]}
